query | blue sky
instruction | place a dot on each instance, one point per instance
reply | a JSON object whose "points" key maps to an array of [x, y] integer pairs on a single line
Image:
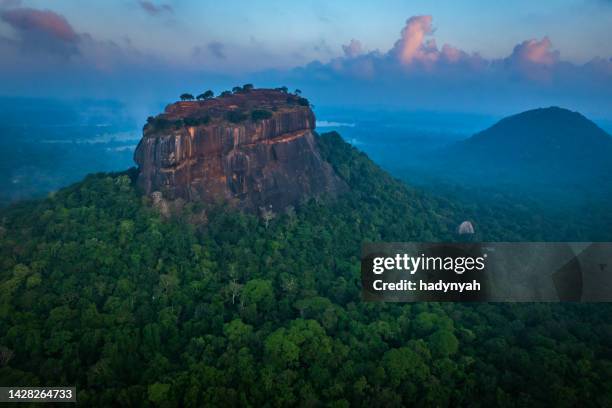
{"points": [[580, 28], [448, 53]]}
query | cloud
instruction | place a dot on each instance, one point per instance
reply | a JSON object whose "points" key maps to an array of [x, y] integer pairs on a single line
{"points": [[322, 48], [533, 59], [416, 54], [353, 49], [155, 10], [40, 35], [535, 52], [415, 73], [44, 40], [44, 55], [44, 22], [217, 49], [9, 3], [412, 46], [41, 30], [415, 48]]}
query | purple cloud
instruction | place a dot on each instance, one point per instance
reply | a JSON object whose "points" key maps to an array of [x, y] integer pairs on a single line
{"points": [[41, 30], [45, 22], [155, 10], [352, 49], [217, 49]]}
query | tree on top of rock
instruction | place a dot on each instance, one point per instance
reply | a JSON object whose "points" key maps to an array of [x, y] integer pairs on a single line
{"points": [[206, 95]]}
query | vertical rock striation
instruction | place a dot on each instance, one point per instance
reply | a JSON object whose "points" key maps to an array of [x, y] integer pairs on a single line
{"points": [[253, 149]]}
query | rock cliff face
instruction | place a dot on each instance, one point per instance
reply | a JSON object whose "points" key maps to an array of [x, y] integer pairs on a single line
{"points": [[253, 149]]}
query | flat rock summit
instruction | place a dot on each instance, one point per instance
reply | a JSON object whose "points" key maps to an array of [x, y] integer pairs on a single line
{"points": [[253, 148]]}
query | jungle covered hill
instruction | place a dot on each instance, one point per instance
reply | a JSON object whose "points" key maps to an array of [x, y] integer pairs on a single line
{"points": [[99, 290]]}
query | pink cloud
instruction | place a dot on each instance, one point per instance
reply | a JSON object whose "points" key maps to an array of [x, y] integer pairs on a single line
{"points": [[417, 50], [414, 46], [534, 59], [452, 54], [44, 22], [419, 73], [45, 38], [411, 45], [535, 52]]}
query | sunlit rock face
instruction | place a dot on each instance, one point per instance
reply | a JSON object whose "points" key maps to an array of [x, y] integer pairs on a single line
{"points": [[254, 149]]}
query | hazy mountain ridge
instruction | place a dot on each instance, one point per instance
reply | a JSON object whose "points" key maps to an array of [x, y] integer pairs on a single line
{"points": [[552, 144]]}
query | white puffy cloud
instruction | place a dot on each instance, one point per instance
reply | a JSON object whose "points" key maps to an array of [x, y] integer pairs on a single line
{"points": [[535, 52], [412, 45], [415, 73]]}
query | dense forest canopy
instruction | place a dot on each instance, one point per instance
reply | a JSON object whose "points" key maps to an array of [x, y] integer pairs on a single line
{"points": [[98, 290]]}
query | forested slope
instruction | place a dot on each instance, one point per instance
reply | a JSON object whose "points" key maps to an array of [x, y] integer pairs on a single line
{"points": [[98, 290]]}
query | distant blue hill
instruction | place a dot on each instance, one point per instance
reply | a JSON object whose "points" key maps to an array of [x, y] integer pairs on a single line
{"points": [[546, 147]]}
